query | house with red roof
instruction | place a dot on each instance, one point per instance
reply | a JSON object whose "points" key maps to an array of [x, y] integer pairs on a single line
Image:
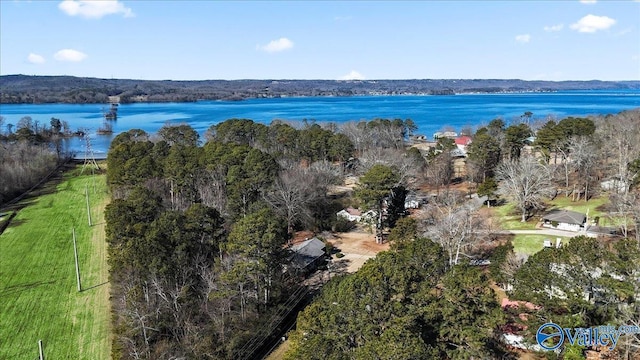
{"points": [[462, 142]]}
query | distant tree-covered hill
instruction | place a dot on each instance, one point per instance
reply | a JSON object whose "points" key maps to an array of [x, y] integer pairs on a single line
{"points": [[18, 89]]}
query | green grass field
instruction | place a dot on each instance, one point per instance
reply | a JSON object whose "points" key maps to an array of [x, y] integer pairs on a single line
{"points": [[38, 292], [531, 244], [582, 206], [509, 218]]}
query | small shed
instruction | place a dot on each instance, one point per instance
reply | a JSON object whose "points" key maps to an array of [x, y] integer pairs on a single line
{"points": [[411, 202], [308, 255], [565, 220]]}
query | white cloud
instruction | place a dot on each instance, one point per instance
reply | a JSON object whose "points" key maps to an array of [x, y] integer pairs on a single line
{"points": [[94, 9], [35, 58], [553, 28], [281, 44], [524, 38], [635, 57], [593, 23], [588, 1], [69, 55], [353, 75]]}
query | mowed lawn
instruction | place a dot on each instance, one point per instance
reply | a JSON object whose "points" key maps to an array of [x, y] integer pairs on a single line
{"points": [[509, 217], [530, 244], [38, 292], [593, 206]]}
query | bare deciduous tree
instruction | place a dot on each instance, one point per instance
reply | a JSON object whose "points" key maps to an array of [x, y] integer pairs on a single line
{"points": [[356, 132], [456, 226], [563, 149], [620, 136], [297, 189], [22, 165], [290, 196], [512, 263], [584, 156], [525, 182], [626, 212], [212, 189], [440, 170]]}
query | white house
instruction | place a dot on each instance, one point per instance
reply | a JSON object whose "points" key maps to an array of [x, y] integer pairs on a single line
{"points": [[462, 142], [445, 134], [564, 220], [356, 215], [350, 214]]}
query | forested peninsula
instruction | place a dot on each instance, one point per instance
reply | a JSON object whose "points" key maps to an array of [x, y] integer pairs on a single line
{"points": [[23, 89]]}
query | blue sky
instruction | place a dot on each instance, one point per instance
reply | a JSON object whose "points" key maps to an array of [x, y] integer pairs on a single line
{"points": [[196, 40]]}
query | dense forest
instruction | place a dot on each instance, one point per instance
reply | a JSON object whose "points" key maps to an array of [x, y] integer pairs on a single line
{"points": [[198, 235], [19, 89], [404, 304], [409, 304]]}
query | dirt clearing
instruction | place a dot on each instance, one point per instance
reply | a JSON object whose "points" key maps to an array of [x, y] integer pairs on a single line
{"points": [[357, 246]]}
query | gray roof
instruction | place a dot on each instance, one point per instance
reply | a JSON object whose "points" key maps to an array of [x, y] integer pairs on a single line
{"points": [[306, 252], [565, 216]]}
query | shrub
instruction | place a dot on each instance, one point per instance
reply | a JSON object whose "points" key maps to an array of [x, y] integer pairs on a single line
{"points": [[343, 225], [328, 247]]}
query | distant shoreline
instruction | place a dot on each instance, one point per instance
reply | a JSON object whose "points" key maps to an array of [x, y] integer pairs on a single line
{"points": [[22, 89]]}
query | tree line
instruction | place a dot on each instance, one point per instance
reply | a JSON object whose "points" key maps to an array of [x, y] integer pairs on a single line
{"points": [[21, 89], [29, 150]]}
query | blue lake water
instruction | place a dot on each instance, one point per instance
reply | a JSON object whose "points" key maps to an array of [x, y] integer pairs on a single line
{"points": [[430, 113]]}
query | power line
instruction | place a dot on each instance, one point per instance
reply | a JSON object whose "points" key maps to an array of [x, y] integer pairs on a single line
{"points": [[89, 156], [276, 319]]}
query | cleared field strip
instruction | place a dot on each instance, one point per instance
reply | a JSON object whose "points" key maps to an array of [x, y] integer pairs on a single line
{"points": [[38, 292]]}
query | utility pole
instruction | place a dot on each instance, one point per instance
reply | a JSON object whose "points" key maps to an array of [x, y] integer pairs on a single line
{"points": [[75, 253], [40, 348], [586, 221], [86, 193]]}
